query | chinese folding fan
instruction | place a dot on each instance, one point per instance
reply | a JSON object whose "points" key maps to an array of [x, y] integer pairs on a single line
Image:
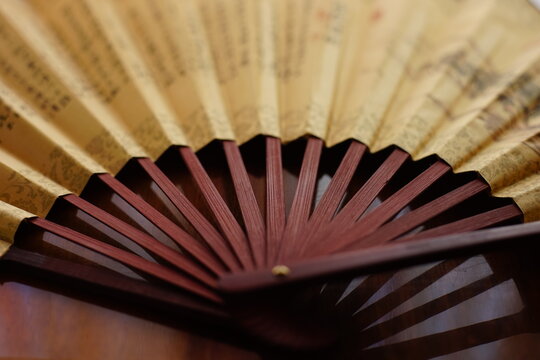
{"points": [[421, 119]]}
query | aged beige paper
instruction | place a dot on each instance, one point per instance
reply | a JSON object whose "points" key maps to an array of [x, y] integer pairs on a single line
{"points": [[479, 114], [38, 71], [26, 188], [174, 45], [100, 46], [241, 39], [442, 65], [26, 135], [526, 193], [472, 130], [379, 42], [512, 155], [11, 218], [511, 164], [308, 42]]}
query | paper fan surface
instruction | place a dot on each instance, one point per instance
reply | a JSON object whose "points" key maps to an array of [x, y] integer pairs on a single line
{"points": [[430, 110]]}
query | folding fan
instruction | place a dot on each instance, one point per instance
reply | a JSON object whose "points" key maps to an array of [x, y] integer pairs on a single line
{"points": [[428, 110]]}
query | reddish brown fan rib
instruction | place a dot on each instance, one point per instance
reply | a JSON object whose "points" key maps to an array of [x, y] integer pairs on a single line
{"points": [[369, 191], [146, 241], [275, 197], [357, 237], [129, 259], [382, 258], [229, 226], [303, 198], [476, 222], [212, 237], [333, 195], [249, 208], [367, 316], [384, 211], [182, 238], [436, 306], [338, 185], [356, 206], [111, 282]]}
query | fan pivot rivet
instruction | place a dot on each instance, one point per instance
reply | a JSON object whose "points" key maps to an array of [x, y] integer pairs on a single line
{"points": [[281, 270]]}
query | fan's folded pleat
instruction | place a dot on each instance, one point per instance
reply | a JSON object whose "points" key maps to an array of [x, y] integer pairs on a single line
{"points": [[97, 42], [35, 142], [309, 37], [465, 134], [481, 112], [445, 61], [526, 193], [11, 219], [377, 49], [513, 154], [22, 186], [105, 106], [39, 70], [240, 35], [173, 44]]}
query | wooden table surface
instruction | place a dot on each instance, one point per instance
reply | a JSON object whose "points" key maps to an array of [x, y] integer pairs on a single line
{"points": [[483, 307], [499, 322]]}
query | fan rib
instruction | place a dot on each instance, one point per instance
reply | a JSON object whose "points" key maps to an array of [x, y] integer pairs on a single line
{"points": [[476, 222], [436, 306], [384, 211], [111, 281], [275, 197], [405, 195], [135, 261], [361, 237], [251, 213], [303, 198], [361, 200], [182, 238], [134, 234], [382, 258], [331, 198], [210, 235], [229, 226], [358, 204], [368, 315], [327, 206]]}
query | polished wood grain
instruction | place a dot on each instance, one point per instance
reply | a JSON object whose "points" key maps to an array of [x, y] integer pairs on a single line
{"points": [[479, 307], [39, 324]]}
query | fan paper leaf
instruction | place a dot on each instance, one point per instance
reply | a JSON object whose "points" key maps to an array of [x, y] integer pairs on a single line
{"points": [[86, 86]]}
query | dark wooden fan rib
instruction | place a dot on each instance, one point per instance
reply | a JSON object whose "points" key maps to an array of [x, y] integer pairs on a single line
{"points": [[275, 197], [441, 343], [251, 213], [134, 261], [384, 212], [211, 236], [382, 258], [361, 237], [146, 241], [112, 283], [327, 206], [436, 306], [182, 238], [363, 316], [476, 222], [303, 198], [358, 204], [331, 198], [229, 226]]}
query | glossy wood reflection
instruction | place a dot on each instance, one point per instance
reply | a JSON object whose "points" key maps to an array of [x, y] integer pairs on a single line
{"points": [[483, 307]]}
